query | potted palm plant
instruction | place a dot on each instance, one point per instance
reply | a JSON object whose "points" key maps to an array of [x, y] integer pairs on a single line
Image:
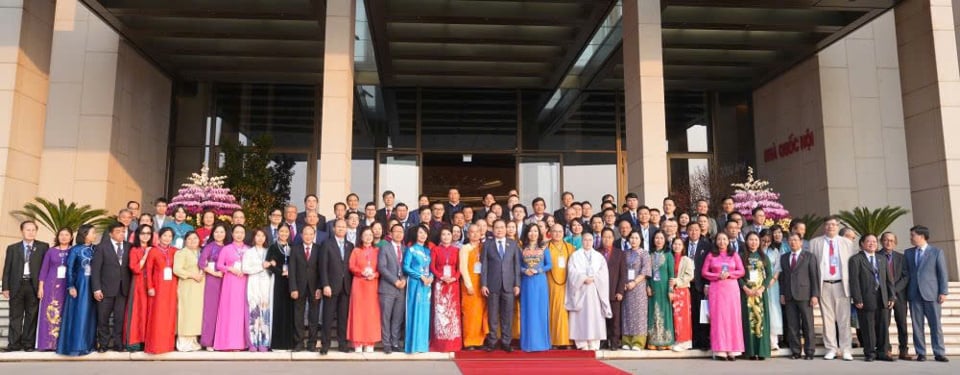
{"points": [[55, 216], [866, 221]]}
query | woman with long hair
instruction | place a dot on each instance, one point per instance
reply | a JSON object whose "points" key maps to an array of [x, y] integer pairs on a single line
{"points": [[232, 309], [260, 280], [660, 313], [138, 304], [179, 225], [363, 323], [773, 252], [279, 257], [162, 294], [212, 283], [416, 265], [723, 268], [186, 266], [636, 309], [535, 300], [445, 266], [52, 291], [78, 328], [683, 268], [756, 316]]}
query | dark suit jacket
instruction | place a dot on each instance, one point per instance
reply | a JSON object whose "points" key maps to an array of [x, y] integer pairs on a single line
{"points": [[928, 280], [703, 249], [617, 266], [302, 219], [449, 210], [268, 230], [13, 265], [500, 274], [334, 270], [383, 219], [107, 273], [899, 278], [801, 282], [863, 285], [303, 273]]}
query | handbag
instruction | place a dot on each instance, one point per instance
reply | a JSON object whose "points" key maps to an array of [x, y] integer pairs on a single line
{"points": [[704, 312]]}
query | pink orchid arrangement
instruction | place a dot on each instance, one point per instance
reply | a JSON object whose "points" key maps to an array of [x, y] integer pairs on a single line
{"points": [[203, 192], [756, 193]]}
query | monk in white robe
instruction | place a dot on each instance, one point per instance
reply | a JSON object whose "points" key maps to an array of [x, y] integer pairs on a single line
{"points": [[588, 296]]}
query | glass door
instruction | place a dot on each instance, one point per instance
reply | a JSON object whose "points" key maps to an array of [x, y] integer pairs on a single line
{"points": [[539, 176], [399, 172]]}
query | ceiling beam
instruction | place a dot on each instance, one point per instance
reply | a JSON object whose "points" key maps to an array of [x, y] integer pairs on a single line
{"points": [[376, 19], [587, 28], [213, 14], [248, 35], [515, 41], [525, 20]]}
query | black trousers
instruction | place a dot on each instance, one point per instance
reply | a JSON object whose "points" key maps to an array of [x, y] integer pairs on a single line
{"points": [[613, 325], [500, 316], [116, 306], [23, 316], [306, 304], [336, 306], [701, 332], [900, 317], [799, 316], [873, 329]]}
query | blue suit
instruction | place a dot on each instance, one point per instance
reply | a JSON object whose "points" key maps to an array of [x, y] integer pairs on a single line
{"points": [[928, 280]]}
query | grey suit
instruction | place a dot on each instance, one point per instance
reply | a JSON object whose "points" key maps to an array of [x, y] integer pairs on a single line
{"points": [[799, 283], [392, 299], [928, 280], [500, 275]]}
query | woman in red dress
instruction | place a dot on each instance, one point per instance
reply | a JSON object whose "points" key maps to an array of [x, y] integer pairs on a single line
{"points": [[445, 265], [363, 325], [135, 318], [206, 225], [680, 297], [162, 292]]}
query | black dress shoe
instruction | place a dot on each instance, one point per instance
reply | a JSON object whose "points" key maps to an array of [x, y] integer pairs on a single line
{"points": [[397, 348], [29, 349], [940, 358], [921, 358], [887, 358], [507, 348], [101, 350], [795, 356], [488, 348], [387, 349], [614, 348], [808, 357], [869, 358], [323, 351]]}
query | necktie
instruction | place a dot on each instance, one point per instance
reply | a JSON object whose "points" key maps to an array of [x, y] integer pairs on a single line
{"points": [[388, 213], [833, 267], [274, 236], [307, 247], [293, 231], [119, 252], [633, 216], [890, 265], [27, 250], [340, 244], [793, 261], [919, 257], [692, 250], [876, 272], [624, 245], [500, 248], [399, 258]]}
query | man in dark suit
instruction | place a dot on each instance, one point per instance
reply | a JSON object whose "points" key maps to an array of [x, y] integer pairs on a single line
{"points": [[453, 204], [926, 291], [871, 289], [560, 215], [125, 217], [500, 283], [369, 217], [697, 249], [21, 278], [275, 217], [622, 242], [392, 290], [110, 281], [336, 279], [304, 280], [617, 267], [339, 212], [633, 210], [313, 220], [310, 204], [726, 209], [290, 219], [732, 228], [388, 211], [895, 265], [800, 293]]}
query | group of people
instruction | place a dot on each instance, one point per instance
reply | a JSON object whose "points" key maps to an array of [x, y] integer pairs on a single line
{"points": [[447, 277]]}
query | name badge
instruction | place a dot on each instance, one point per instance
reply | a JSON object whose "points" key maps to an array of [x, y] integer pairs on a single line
{"points": [[367, 270], [656, 275], [835, 261], [236, 265], [212, 266], [285, 269], [178, 243], [86, 270], [167, 273], [562, 262], [631, 274], [477, 267], [447, 271], [754, 276], [61, 272]]}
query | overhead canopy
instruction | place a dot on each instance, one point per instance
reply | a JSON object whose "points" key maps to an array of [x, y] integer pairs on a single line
{"points": [[708, 44]]}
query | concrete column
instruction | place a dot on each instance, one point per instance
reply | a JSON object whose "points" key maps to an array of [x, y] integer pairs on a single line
{"points": [[26, 31], [336, 133], [107, 119], [930, 83], [644, 100]]}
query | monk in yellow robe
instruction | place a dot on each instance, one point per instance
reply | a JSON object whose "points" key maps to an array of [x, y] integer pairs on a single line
{"points": [[560, 253]]}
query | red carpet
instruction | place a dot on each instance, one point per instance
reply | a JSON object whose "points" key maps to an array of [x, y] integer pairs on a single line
{"points": [[554, 362]]}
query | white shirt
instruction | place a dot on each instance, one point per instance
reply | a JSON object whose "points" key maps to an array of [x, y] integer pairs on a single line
{"points": [[825, 261]]}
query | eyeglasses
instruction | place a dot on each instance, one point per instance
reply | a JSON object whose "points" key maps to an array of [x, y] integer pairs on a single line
{"points": [[145, 233]]}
